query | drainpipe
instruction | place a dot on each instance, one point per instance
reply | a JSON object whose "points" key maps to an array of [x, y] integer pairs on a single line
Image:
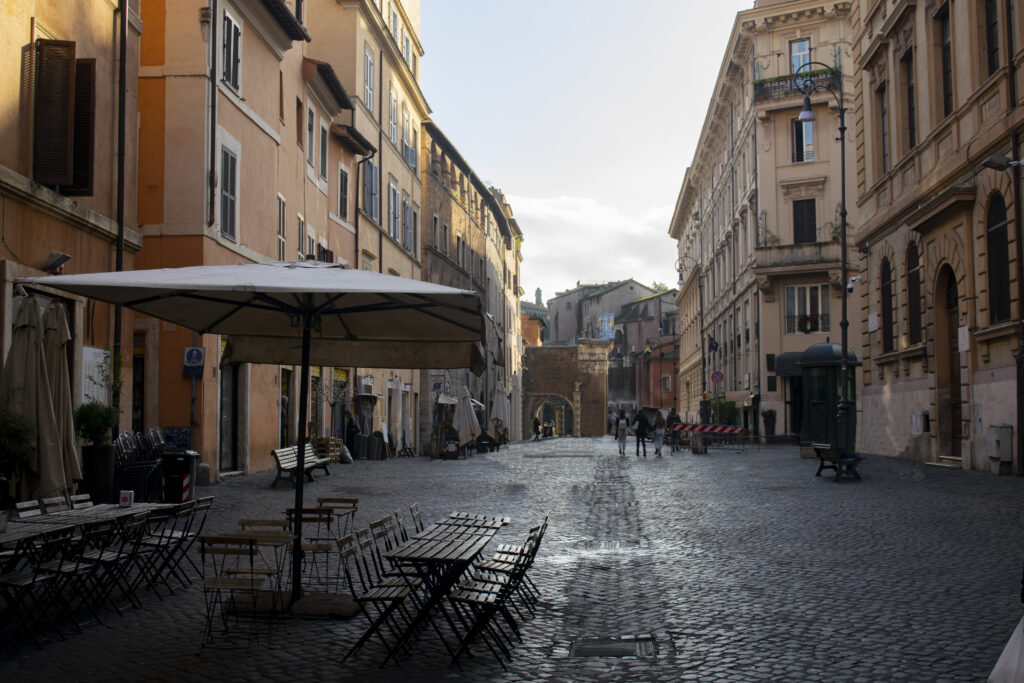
{"points": [[122, 81]]}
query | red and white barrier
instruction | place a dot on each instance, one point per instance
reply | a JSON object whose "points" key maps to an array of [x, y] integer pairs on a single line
{"points": [[708, 429]]}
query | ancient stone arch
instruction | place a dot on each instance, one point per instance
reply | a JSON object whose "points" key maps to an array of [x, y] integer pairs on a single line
{"points": [[576, 375]]}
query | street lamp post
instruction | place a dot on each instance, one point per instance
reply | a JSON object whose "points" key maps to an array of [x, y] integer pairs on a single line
{"points": [[834, 85]]}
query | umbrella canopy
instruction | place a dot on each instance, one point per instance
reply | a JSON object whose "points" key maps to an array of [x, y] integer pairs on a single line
{"points": [[25, 390], [56, 337], [464, 421], [301, 313], [499, 411]]}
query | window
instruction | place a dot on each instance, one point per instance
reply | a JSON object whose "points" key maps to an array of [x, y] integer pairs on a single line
{"points": [[310, 244], [406, 223], [323, 151], [232, 50], [299, 117], [806, 309], [992, 35], [799, 54], [911, 112], [888, 336], [310, 140], [228, 192], [804, 224], [803, 141], [946, 60], [882, 103], [280, 95], [458, 250], [371, 191], [368, 79], [282, 238], [666, 383], [393, 212], [394, 22], [913, 294], [302, 237], [444, 239], [998, 250], [64, 119], [342, 193], [393, 119], [435, 233]]}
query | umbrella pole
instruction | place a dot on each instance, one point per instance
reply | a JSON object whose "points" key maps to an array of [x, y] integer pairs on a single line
{"points": [[300, 472]]}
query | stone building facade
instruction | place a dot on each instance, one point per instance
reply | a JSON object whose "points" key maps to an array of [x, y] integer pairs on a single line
{"points": [[937, 117], [756, 216], [574, 381]]}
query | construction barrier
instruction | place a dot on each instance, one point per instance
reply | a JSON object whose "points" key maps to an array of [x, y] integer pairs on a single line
{"points": [[709, 429]]}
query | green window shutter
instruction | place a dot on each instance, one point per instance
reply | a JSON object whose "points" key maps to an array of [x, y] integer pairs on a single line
{"points": [[54, 114]]}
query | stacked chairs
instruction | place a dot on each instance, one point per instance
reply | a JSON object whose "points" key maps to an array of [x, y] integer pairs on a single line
{"points": [[137, 467]]}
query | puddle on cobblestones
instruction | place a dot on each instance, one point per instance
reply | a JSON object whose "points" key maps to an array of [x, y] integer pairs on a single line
{"points": [[593, 544]]}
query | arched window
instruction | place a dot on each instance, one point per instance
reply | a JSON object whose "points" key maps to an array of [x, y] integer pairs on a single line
{"points": [[998, 261], [913, 294], [887, 307]]}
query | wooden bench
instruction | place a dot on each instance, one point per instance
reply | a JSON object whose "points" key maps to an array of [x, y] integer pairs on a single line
{"points": [[287, 461], [845, 466]]}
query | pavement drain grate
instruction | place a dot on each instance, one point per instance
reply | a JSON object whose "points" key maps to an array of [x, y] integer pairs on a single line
{"points": [[613, 646]]}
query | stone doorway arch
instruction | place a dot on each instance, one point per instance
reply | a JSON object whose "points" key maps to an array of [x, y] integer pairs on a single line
{"points": [[948, 401], [572, 377]]}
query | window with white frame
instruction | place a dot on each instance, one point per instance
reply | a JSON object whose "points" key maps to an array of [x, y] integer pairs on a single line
{"points": [[232, 52], [393, 212], [806, 309], [342, 192], [393, 118], [368, 78], [323, 151], [406, 222], [310, 136], [228, 193], [799, 54], [310, 243], [371, 190], [301, 224], [282, 237], [803, 141], [394, 22]]}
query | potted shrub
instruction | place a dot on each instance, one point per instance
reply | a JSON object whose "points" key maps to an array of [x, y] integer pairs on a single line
{"points": [[17, 446], [95, 422], [768, 417]]}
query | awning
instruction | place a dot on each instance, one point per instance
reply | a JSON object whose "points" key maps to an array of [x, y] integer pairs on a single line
{"points": [[447, 399], [786, 364]]}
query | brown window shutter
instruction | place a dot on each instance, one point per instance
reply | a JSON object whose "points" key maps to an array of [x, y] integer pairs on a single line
{"points": [[85, 116], [54, 114]]}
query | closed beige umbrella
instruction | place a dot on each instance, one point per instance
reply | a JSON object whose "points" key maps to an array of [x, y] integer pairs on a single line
{"points": [[25, 390], [465, 421], [56, 337]]}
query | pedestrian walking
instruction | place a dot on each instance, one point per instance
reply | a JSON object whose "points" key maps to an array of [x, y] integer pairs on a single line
{"points": [[621, 431], [672, 435], [536, 429], [659, 433], [642, 426]]}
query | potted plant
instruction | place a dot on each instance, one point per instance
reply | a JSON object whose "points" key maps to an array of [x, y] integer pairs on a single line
{"points": [[95, 422], [17, 446], [768, 417]]}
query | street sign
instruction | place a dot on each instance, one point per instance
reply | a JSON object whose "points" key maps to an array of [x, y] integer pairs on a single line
{"points": [[717, 377], [436, 386]]}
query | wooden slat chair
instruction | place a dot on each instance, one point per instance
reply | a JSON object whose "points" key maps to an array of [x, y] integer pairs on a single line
{"points": [[319, 544], [233, 576], [161, 548], [344, 509], [417, 522], [55, 504], [274, 524], [502, 562], [28, 508], [117, 560], [74, 577], [29, 594], [81, 501]]}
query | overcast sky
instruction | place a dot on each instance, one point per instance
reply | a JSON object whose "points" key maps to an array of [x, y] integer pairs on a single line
{"points": [[585, 113]]}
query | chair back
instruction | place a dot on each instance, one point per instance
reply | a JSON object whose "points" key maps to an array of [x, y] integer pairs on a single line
{"points": [[414, 510], [55, 504], [80, 501], [28, 508]]}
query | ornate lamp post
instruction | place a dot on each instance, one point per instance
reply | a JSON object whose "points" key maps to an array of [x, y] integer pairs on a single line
{"points": [[808, 85]]}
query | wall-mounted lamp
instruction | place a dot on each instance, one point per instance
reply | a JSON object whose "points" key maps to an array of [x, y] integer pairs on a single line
{"points": [[204, 22], [1000, 163], [55, 264]]}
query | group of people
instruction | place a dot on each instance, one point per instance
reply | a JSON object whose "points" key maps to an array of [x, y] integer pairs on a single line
{"points": [[643, 426]]}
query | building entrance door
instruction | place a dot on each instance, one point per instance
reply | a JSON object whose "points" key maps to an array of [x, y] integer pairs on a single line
{"points": [[947, 366]]}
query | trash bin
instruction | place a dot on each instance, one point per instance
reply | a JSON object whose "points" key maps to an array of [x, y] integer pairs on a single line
{"points": [[179, 475]]}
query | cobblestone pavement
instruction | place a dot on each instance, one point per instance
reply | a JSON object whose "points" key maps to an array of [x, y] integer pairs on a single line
{"points": [[740, 564]]}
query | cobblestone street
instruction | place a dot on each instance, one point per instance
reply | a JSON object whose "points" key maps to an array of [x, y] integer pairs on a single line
{"points": [[738, 565]]}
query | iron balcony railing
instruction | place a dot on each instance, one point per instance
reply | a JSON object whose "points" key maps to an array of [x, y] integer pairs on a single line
{"points": [[817, 322], [791, 85]]}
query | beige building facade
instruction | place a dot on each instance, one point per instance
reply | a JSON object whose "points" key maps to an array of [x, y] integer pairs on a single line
{"points": [[756, 218], [937, 120]]}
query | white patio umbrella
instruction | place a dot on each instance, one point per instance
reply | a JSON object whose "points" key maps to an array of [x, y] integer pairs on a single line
{"points": [[56, 337], [302, 313], [499, 411], [25, 390], [464, 421]]}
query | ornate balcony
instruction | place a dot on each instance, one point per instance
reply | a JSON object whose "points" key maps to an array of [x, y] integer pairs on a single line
{"points": [[781, 87]]}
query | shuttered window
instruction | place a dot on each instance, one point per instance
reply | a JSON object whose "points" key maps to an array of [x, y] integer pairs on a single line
{"points": [[228, 192], [54, 112], [84, 142], [804, 229], [232, 49], [997, 247], [343, 193]]}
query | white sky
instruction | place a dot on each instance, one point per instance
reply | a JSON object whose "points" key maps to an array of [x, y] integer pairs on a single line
{"points": [[585, 113]]}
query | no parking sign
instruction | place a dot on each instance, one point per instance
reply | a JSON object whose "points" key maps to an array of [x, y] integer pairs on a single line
{"points": [[717, 377]]}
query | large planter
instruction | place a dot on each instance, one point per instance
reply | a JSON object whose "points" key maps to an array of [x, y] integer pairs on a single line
{"points": [[98, 473]]}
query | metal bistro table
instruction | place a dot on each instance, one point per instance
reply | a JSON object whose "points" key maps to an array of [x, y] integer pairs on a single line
{"points": [[440, 554]]}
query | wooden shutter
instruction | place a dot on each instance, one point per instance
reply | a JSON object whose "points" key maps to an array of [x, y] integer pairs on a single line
{"points": [[227, 199], [85, 124], [54, 114]]}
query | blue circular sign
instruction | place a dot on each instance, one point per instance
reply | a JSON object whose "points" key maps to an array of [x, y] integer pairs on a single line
{"points": [[717, 377]]}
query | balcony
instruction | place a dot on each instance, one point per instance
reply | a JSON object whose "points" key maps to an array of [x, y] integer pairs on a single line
{"points": [[781, 87], [807, 323]]}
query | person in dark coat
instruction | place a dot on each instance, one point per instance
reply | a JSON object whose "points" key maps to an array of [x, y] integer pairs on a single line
{"points": [[642, 426], [536, 429]]}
